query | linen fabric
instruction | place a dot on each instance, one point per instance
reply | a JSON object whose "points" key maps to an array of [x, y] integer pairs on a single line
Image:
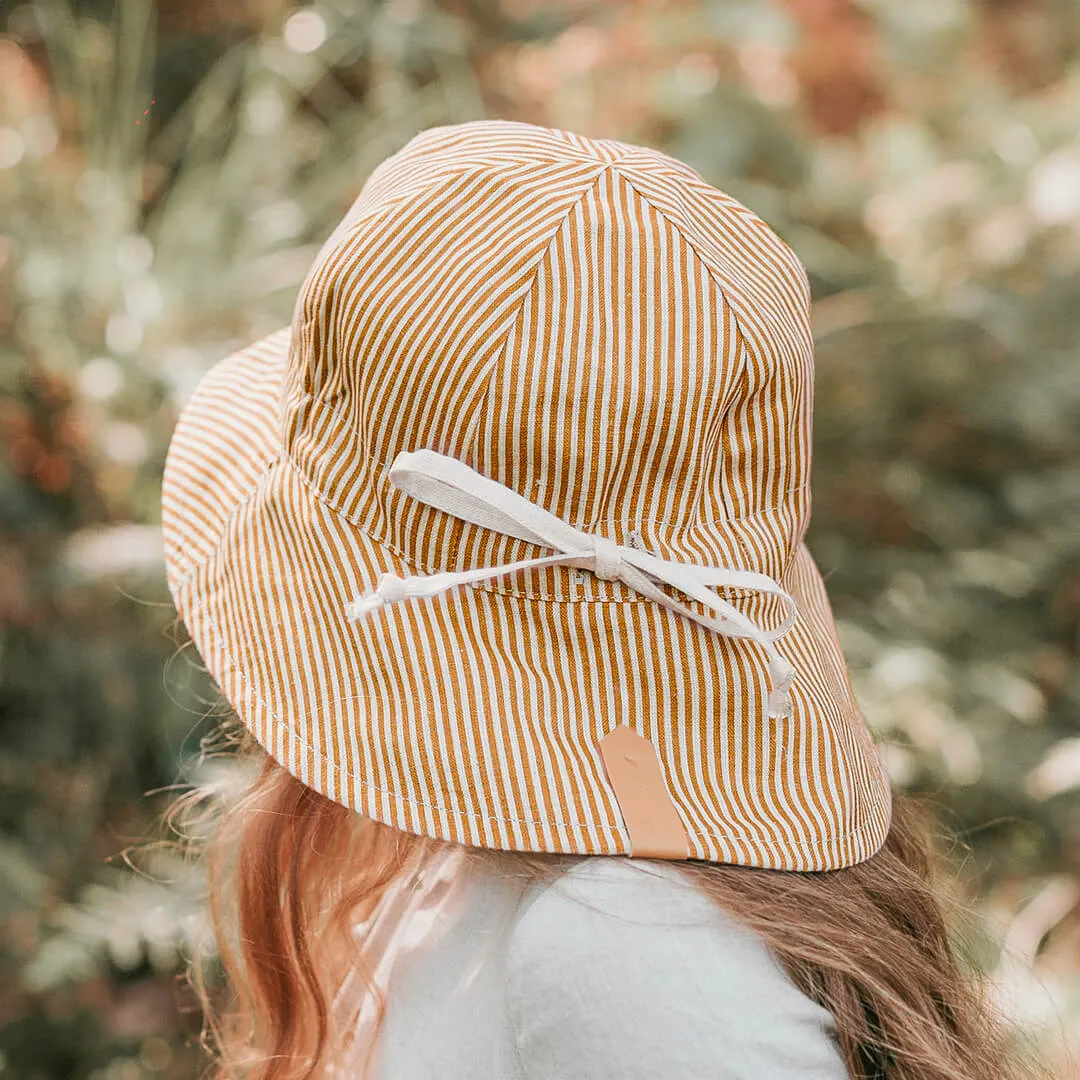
{"points": [[592, 325]]}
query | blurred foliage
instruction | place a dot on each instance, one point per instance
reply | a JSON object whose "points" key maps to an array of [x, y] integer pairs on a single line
{"points": [[166, 174]]}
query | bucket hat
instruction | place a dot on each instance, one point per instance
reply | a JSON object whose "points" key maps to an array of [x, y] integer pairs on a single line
{"points": [[501, 542]]}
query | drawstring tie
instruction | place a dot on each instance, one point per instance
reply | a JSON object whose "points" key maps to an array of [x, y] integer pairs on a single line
{"points": [[451, 486]]}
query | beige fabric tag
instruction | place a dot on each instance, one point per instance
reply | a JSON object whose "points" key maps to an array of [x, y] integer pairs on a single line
{"points": [[633, 767]]}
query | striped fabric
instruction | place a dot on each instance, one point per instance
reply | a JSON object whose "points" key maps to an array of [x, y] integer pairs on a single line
{"points": [[591, 324]]}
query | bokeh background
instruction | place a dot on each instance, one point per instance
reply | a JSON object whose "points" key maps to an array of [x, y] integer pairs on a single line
{"points": [[167, 172]]}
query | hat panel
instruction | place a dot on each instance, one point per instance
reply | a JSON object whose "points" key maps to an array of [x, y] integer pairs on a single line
{"points": [[612, 388], [764, 279], [765, 457], [399, 329], [429, 266], [437, 154]]}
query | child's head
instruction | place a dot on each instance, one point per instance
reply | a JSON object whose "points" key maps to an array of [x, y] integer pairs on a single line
{"points": [[498, 550], [525, 346]]}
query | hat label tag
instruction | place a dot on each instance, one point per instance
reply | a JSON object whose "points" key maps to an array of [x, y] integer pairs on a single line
{"points": [[633, 768]]}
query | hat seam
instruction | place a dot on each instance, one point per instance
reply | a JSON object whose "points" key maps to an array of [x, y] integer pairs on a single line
{"points": [[415, 194], [692, 245], [744, 376], [319, 402], [721, 286], [325, 403], [486, 587], [186, 568], [739, 210], [249, 688]]}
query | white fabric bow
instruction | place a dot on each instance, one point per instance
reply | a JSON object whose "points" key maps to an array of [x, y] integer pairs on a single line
{"points": [[451, 486]]}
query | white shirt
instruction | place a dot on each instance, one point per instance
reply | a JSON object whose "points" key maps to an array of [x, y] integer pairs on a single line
{"points": [[617, 971]]}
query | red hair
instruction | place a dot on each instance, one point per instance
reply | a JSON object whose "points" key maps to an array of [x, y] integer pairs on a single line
{"points": [[292, 875]]}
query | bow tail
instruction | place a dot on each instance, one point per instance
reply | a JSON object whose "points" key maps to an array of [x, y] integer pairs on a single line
{"points": [[731, 622], [392, 589], [781, 672]]}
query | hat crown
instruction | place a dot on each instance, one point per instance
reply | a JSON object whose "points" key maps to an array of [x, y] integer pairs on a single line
{"points": [[585, 321]]}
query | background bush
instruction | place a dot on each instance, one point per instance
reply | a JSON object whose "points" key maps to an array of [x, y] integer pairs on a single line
{"points": [[167, 173]]}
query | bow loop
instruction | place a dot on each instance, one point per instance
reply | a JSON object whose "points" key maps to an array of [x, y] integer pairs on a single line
{"points": [[451, 486]]}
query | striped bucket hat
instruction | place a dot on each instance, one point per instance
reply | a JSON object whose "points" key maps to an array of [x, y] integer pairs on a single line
{"points": [[502, 541]]}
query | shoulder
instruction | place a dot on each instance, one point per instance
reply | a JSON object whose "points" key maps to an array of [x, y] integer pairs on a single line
{"points": [[610, 918], [622, 886], [619, 897], [623, 968]]}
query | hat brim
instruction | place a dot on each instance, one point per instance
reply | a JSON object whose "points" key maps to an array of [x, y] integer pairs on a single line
{"points": [[476, 717]]}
